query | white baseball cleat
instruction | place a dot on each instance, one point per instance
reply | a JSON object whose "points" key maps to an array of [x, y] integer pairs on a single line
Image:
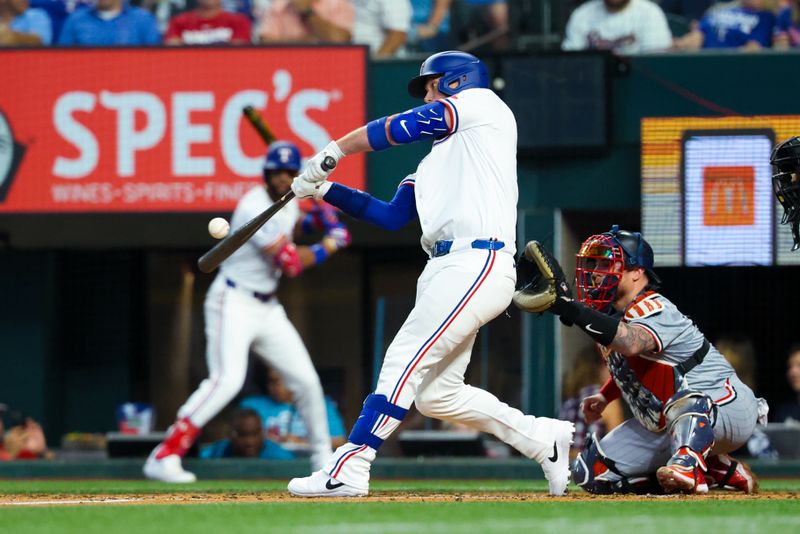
{"points": [[556, 466], [167, 469], [320, 484]]}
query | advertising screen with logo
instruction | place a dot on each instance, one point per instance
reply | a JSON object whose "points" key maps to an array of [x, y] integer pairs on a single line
{"points": [[707, 194], [161, 130]]}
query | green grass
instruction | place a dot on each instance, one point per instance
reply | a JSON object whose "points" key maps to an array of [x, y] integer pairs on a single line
{"points": [[669, 516]]}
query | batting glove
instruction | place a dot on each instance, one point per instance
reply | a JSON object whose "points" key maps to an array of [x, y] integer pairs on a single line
{"points": [[340, 235], [304, 188], [314, 171]]}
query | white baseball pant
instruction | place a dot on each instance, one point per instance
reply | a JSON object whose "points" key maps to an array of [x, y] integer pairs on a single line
{"points": [[426, 361], [236, 321]]}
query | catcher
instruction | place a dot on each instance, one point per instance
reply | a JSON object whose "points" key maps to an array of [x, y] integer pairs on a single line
{"points": [[690, 409]]}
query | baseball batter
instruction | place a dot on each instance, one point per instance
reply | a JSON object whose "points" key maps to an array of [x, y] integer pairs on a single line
{"points": [[464, 193], [690, 409], [242, 313]]}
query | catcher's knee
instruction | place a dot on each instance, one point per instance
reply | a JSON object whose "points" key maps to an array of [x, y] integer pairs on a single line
{"points": [[374, 409], [690, 417]]}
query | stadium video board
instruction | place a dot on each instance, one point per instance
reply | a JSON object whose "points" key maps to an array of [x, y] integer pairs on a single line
{"points": [[161, 129], [707, 190]]}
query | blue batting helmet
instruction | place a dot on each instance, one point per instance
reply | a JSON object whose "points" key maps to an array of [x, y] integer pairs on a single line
{"points": [[637, 251], [451, 65], [282, 155]]}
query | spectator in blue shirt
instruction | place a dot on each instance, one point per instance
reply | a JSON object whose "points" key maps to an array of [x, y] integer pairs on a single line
{"points": [[58, 11], [787, 29], [22, 26], [245, 440], [430, 25], [110, 23], [689, 9], [282, 424], [746, 25]]}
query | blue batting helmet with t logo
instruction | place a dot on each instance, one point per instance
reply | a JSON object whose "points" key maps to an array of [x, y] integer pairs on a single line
{"points": [[282, 155], [452, 66]]}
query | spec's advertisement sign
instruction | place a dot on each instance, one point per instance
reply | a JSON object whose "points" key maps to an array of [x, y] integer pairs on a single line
{"points": [[137, 130]]}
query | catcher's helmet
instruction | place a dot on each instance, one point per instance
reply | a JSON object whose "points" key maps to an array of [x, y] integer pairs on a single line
{"points": [[282, 155], [451, 65], [601, 260], [786, 183]]}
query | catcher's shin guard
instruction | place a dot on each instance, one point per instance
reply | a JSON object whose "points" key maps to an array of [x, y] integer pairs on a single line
{"points": [[596, 473], [375, 406], [690, 417]]}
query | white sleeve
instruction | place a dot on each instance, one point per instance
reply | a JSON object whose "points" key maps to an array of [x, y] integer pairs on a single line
{"points": [[470, 108], [654, 32], [396, 15], [267, 235], [576, 32]]}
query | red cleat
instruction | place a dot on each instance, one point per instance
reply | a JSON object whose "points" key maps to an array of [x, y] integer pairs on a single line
{"points": [[725, 472], [679, 479]]}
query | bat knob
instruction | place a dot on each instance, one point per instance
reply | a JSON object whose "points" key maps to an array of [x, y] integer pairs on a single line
{"points": [[328, 164]]}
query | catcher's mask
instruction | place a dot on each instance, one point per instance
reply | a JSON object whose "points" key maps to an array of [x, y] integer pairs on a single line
{"points": [[785, 160], [601, 261]]}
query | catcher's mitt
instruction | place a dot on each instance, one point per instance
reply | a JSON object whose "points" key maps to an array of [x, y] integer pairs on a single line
{"points": [[540, 279]]}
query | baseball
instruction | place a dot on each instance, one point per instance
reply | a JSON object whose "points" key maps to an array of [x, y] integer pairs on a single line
{"points": [[218, 227]]}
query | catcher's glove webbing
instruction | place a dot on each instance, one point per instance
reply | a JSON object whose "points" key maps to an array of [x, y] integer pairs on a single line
{"points": [[540, 279]]}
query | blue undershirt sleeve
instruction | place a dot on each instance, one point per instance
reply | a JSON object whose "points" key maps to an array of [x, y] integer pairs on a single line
{"points": [[391, 215]]}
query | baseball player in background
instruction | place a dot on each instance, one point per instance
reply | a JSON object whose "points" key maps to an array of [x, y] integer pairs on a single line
{"points": [[690, 409], [785, 160], [242, 313], [464, 193]]}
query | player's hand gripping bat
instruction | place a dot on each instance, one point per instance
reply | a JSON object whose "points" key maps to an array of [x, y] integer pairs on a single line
{"points": [[231, 243]]}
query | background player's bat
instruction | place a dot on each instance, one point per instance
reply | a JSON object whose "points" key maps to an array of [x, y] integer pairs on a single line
{"points": [[231, 243], [254, 117]]}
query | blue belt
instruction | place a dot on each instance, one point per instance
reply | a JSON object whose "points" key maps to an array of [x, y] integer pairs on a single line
{"points": [[442, 248], [263, 297]]}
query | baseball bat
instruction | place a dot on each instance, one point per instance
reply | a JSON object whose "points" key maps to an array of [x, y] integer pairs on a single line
{"points": [[231, 243], [254, 117]]}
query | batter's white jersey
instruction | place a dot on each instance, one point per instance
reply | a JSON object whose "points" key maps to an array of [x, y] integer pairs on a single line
{"points": [[640, 27], [248, 266], [476, 160]]}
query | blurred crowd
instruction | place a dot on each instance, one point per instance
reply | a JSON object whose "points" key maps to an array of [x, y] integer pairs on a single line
{"points": [[389, 27], [394, 28], [637, 26]]}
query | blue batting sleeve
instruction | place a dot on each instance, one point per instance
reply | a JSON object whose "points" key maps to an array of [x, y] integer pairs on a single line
{"points": [[320, 254], [425, 122], [376, 134], [391, 215]]}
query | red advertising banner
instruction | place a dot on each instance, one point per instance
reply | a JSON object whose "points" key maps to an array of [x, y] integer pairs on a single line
{"points": [[137, 130]]}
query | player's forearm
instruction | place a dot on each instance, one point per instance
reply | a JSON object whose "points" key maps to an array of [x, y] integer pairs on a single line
{"points": [[316, 254], [610, 390], [360, 205], [631, 340], [355, 142]]}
